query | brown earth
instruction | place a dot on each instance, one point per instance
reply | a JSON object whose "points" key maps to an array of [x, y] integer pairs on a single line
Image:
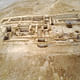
{"points": [[42, 7], [40, 67]]}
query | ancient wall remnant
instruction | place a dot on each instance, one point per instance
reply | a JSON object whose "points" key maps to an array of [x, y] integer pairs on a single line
{"points": [[50, 28]]}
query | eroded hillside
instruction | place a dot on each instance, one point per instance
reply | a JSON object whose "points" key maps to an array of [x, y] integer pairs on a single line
{"points": [[29, 7]]}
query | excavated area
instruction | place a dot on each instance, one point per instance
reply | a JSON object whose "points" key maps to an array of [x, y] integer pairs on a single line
{"points": [[55, 57]]}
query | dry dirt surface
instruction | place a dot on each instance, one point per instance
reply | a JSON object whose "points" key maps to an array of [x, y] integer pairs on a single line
{"points": [[40, 67], [42, 7], [19, 61]]}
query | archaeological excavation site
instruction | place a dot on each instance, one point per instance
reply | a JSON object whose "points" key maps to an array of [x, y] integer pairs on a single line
{"points": [[43, 44]]}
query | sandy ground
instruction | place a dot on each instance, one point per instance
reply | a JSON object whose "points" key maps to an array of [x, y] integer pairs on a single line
{"points": [[26, 61], [40, 67], [33, 7]]}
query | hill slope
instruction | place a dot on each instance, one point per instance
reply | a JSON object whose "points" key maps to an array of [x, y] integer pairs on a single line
{"points": [[29, 7]]}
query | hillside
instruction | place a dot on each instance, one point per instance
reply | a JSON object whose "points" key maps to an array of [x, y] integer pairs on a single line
{"points": [[29, 7]]}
